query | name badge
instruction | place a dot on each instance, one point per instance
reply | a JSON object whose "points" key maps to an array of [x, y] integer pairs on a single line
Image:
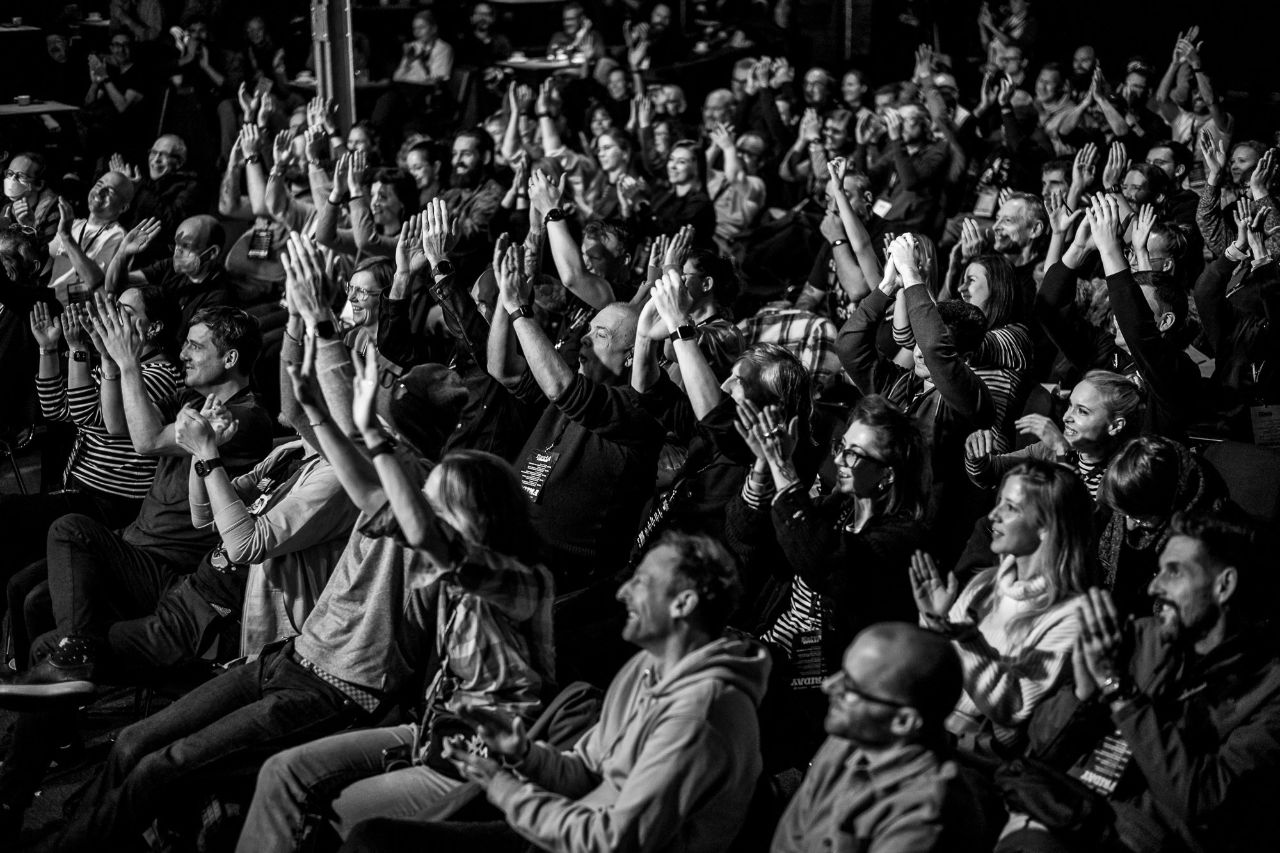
{"points": [[807, 668], [1266, 425], [1103, 768], [536, 471], [882, 207]]}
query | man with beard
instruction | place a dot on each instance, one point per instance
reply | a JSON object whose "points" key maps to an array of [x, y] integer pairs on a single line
{"points": [[473, 198], [1172, 721], [884, 779], [194, 277]]}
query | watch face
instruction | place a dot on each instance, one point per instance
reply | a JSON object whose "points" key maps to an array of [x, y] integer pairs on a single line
{"points": [[201, 470]]}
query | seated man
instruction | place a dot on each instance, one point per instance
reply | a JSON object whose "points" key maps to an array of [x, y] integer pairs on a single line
{"points": [[673, 761], [169, 192], [96, 574], [194, 278], [884, 779], [84, 248], [1173, 719], [589, 465]]}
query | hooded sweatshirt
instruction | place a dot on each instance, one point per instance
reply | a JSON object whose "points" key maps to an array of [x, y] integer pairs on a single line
{"points": [[671, 765]]}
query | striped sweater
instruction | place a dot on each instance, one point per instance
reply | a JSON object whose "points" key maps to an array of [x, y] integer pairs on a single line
{"points": [[99, 460], [1004, 681]]}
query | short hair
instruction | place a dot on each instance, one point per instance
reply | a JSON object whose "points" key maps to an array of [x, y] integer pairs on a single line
{"points": [[484, 141], [904, 451], [894, 89], [1182, 155], [1055, 67], [1169, 296], [771, 373], [622, 139], [1229, 538], [426, 15], [966, 323], [163, 309], [232, 329], [1123, 397], [720, 269], [402, 183], [1175, 239], [613, 229], [1157, 181], [710, 569], [1034, 207], [930, 683], [38, 163], [1057, 164], [1259, 148], [382, 268]]}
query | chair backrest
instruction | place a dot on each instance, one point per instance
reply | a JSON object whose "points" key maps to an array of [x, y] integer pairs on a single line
{"points": [[1252, 475]]}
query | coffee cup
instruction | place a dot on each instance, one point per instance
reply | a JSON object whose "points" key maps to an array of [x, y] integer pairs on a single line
{"points": [[23, 100], [17, 20]]}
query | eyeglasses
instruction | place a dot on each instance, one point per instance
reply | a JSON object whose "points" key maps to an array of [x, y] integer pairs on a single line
{"points": [[119, 45], [852, 457], [360, 294], [841, 685], [168, 155], [19, 177]]}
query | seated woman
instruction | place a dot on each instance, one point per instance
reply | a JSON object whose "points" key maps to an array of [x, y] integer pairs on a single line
{"points": [[378, 208], [1148, 480], [684, 201], [835, 564], [369, 280], [492, 634], [1106, 410], [1014, 625]]}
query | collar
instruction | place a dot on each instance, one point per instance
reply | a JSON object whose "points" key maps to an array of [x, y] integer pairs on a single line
{"points": [[889, 769]]}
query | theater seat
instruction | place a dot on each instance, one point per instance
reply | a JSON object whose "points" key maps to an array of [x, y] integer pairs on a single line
{"points": [[1252, 475]]}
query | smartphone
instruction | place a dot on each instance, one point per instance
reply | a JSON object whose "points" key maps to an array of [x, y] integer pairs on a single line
{"points": [[260, 244]]}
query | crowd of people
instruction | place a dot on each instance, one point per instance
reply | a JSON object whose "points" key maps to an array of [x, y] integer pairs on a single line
{"points": [[543, 462]]}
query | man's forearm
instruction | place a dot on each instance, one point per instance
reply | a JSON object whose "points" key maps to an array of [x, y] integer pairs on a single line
{"points": [[549, 370], [88, 270], [502, 361], [115, 274], [146, 426]]}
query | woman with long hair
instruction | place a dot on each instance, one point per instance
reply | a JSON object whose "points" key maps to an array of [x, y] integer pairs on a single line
{"points": [[1015, 623]]}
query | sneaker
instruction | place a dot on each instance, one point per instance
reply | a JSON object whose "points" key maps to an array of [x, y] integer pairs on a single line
{"points": [[64, 677]]}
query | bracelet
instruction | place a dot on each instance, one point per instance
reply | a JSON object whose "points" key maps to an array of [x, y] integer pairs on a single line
{"points": [[48, 351], [387, 445], [835, 243], [1196, 69], [106, 378], [319, 423], [253, 158], [542, 115]]}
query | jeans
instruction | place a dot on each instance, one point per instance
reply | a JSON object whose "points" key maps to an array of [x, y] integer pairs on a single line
{"points": [[223, 730], [340, 776], [96, 578]]}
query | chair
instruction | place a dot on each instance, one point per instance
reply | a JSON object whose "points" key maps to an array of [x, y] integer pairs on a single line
{"points": [[10, 444], [1252, 475]]}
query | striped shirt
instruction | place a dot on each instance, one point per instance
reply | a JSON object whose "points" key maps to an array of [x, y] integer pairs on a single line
{"points": [[101, 461], [1005, 678]]}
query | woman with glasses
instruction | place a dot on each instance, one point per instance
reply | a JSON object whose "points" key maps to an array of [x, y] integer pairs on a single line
{"points": [[29, 203], [837, 560], [1014, 624], [370, 278]]}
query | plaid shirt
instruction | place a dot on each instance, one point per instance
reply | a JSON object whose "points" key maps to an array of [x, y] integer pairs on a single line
{"points": [[493, 625], [810, 338]]}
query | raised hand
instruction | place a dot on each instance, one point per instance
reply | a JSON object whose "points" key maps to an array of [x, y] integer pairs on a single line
{"points": [[971, 240], [513, 287], [1005, 93], [671, 299], [934, 596], [266, 107], [1117, 165], [248, 98], [121, 334], [1084, 167], [118, 164], [831, 227], [658, 250], [1105, 224], [810, 125], [1045, 430], [306, 384], [364, 395], [548, 100], [439, 231], [543, 193], [1102, 636], [409, 255], [1142, 225], [320, 113], [73, 320], [1256, 235], [282, 149], [193, 433], [1214, 154], [722, 136], [306, 279], [1263, 173], [748, 426], [340, 175], [777, 437], [893, 124], [356, 166], [903, 251], [678, 248], [46, 328], [1061, 220], [140, 237]]}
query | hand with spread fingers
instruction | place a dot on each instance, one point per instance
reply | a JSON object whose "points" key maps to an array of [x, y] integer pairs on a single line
{"points": [[439, 232], [121, 334], [46, 327], [1099, 653], [934, 596]]}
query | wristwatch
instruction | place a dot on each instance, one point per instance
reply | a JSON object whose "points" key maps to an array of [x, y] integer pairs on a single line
{"points": [[442, 269], [325, 330], [521, 311], [205, 467], [555, 214], [686, 332], [1113, 687], [81, 355], [387, 445]]}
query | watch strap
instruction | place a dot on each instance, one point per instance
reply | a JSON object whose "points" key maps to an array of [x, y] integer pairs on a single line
{"points": [[686, 332], [325, 330], [555, 214], [205, 467]]}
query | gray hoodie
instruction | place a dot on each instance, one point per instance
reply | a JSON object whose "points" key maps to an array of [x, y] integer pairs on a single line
{"points": [[671, 765]]}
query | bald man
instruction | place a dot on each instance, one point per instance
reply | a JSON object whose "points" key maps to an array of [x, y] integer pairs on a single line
{"points": [[169, 191], [194, 276], [81, 252], [884, 781]]}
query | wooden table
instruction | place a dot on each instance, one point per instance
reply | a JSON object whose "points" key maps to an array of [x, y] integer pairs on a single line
{"points": [[12, 110], [25, 28], [539, 63]]}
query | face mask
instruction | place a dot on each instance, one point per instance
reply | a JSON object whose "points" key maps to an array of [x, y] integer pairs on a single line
{"points": [[188, 263], [14, 190]]}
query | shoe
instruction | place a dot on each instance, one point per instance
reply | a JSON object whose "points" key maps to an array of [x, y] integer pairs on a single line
{"points": [[64, 677]]}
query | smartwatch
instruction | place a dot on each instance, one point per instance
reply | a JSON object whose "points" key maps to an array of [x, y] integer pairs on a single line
{"points": [[387, 445], [521, 311], [80, 355], [325, 330], [205, 467], [687, 332], [442, 269], [555, 214]]}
